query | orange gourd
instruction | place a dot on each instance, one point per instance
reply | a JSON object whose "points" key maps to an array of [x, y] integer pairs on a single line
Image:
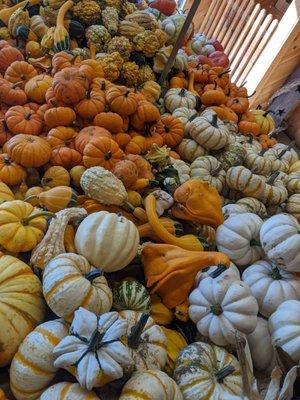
{"points": [[57, 198], [65, 157], [59, 116], [88, 133], [61, 136], [121, 100], [247, 127], [110, 121], [171, 129], [103, 152]]}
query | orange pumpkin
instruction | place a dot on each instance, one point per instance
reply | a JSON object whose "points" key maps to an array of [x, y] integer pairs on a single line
{"points": [[61, 136], [37, 87], [143, 166], [12, 95], [59, 116], [220, 76], [126, 171], [213, 97], [29, 150], [121, 100], [52, 100], [110, 121], [238, 104], [33, 49], [103, 152], [62, 60], [65, 157], [10, 172], [23, 120], [247, 127], [8, 55], [70, 85], [248, 116], [87, 134], [93, 104], [171, 129], [5, 135], [20, 72], [225, 113], [146, 114], [178, 81], [201, 73], [100, 84], [137, 145], [122, 139]]}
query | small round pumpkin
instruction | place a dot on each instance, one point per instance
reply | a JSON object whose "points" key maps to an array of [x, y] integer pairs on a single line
{"points": [[56, 176], [70, 85], [37, 87], [61, 136], [10, 172], [65, 157], [93, 104], [23, 120], [121, 100], [59, 116], [12, 95], [131, 295], [103, 152], [127, 172], [110, 121], [88, 133], [145, 114], [171, 129], [20, 72]]}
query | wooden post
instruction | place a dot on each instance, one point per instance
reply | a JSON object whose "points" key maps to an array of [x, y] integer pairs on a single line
{"points": [[179, 42]]}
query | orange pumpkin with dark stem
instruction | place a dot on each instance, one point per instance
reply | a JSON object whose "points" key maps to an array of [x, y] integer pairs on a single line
{"points": [[201, 73], [5, 134], [238, 104], [61, 136], [113, 122], [171, 129], [225, 113], [220, 76], [65, 157], [20, 72], [137, 145], [121, 100], [213, 96], [8, 55], [103, 152], [87, 134], [93, 104], [59, 116], [23, 120], [12, 95], [37, 87], [11, 173], [247, 127], [100, 84], [122, 139], [178, 81], [70, 85], [146, 114], [267, 141], [29, 150]]}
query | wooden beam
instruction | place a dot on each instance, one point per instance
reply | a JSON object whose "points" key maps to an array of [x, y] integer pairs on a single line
{"points": [[278, 59]]}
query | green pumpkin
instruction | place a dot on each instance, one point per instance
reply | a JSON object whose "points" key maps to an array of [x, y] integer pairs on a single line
{"points": [[76, 30], [131, 295]]}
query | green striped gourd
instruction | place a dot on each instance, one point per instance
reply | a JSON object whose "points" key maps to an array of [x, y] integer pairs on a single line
{"points": [[131, 295]]}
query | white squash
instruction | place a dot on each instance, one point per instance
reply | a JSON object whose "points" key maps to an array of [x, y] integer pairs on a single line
{"points": [[252, 205], [189, 150], [280, 239], [32, 367], [182, 168], [93, 351], [284, 326], [293, 183], [179, 97], [288, 153], [261, 348], [232, 209], [68, 391], [292, 206], [186, 116], [271, 286], [108, 241], [219, 272], [238, 237], [164, 201], [204, 371], [218, 308], [70, 282], [257, 163], [209, 169]]}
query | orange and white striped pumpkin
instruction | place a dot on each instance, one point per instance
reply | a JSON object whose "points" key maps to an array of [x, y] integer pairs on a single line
{"points": [[70, 282], [21, 305], [68, 391], [32, 367]]}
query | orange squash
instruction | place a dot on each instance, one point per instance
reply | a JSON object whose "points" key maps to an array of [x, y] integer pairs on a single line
{"points": [[57, 198]]}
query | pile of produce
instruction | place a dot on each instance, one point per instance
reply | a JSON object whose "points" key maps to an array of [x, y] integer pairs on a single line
{"points": [[146, 235]]}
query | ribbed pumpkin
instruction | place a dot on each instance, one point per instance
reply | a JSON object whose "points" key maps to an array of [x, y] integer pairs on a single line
{"points": [[103, 152], [56, 176], [32, 367], [21, 305], [131, 295], [88, 133], [58, 198], [68, 391], [37, 87], [5, 193]]}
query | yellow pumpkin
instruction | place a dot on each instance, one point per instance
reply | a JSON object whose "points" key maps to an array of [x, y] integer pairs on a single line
{"points": [[21, 304], [175, 342], [76, 173], [56, 176], [5, 193]]}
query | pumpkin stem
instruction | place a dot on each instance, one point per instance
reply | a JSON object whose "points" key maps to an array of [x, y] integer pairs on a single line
{"points": [[214, 121], [136, 331], [243, 84], [92, 51], [7, 161], [217, 272], [90, 276], [250, 95], [33, 196], [108, 155], [254, 242], [27, 116], [182, 92], [224, 72], [262, 152], [224, 372], [276, 274], [272, 178], [286, 149], [216, 309], [25, 221], [215, 171]]}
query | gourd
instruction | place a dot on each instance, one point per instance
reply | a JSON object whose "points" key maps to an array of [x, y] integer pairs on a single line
{"points": [[6, 13], [57, 198], [280, 239], [219, 272], [182, 168], [204, 371], [146, 341], [102, 185], [284, 327], [131, 295], [21, 301], [176, 98], [32, 367], [68, 390], [164, 264], [112, 249], [189, 150], [151, 384], [257, 163], [61, 39], [53, 242], [219, 307], [293, 182], [161, 314], [232, 209], [209, 169], [70, 282], [292, 206], [93, 338], [250, 204], [242, 179], [238, 237], [274, 192], [56, 176], [175, 343]]}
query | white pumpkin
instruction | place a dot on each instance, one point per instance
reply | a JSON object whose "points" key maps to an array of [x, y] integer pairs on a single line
{"points": [[186, 116], [93, 351], [232, 209], [280, 239], [219, 272], [68, 391], [292, 205], [209, 131], [287, 153], [204, 371], [189, 150], [162, 55], [274, 193], [252, 205], [271, 286], [257, 163], [242, 179], [108, 241], [238, 237], [261, 348], [293, 182], [209, 169], [70, 282], [284, 327], [179, 97], [32, 367], [197, 42], [218, 308], [182, 168]]}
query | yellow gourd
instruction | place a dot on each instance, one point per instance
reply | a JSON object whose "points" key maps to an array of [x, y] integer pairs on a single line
{"points": [[175, 342], [159, 312]]}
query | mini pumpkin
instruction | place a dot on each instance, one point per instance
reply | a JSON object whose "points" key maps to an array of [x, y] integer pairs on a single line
{"points": [[37, 87], [59, 116], [121, 100], [102, 151], [23, 120], [171, 130], [11, 173]]}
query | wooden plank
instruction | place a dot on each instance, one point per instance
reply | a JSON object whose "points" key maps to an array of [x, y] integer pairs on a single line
{"points": [[257, 51], [223, 21], [237, 16], [245, 39], [201, 12], [240, 27], [278, 59], [211, 13], [252, 46], [216, 19]]}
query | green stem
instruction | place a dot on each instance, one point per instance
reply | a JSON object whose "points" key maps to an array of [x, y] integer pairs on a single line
{"points": [[90, 276], [254, 242], [26, 220], [276, 274], [136, 331], [224, 372], [216, 309], [217, 272]]}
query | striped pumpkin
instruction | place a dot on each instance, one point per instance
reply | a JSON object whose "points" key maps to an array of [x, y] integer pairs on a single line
{"points": [[32, 367], [67, 391], [70, 282], [146, 341], [131, 295], [21, 305], [151, 384]]}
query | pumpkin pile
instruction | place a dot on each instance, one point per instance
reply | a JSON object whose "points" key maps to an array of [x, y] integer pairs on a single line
{"points": [[144, 234]]}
